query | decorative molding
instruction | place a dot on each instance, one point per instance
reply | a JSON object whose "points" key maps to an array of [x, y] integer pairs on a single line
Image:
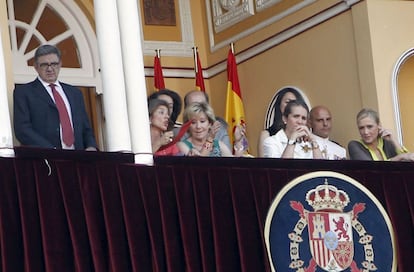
{"points": [[215, 46], [229, 12], [176, 49], [394, 86], [264, 4], [263, 46]]}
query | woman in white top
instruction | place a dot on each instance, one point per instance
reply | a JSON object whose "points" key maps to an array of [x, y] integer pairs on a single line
{"points": [[295, 140]]}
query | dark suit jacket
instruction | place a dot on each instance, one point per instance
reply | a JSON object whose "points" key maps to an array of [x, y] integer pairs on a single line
{"points": [[36, 118], [357, 151]]}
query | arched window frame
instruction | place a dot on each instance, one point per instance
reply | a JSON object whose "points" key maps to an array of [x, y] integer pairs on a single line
{"points": [[78, 27], [394, 87]]}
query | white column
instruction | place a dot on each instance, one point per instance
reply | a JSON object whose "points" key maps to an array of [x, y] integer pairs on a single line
{"points": [[130, 28], [116, 134], [6, 138]]}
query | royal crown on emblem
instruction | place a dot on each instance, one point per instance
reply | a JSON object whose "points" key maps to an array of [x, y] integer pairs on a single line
{"points": [[327, 197]]}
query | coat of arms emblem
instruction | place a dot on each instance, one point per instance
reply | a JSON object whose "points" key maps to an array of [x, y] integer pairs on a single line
{"points": [[330, 232]]}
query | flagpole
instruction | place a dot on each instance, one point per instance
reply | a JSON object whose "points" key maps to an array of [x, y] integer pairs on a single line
{"points": [[158, 52], [232, 47], [195, 59]]}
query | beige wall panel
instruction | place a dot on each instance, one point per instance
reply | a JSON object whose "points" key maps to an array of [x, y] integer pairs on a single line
{"points": [[391, 35], [365, 65], [200, 29], [161, 32]]}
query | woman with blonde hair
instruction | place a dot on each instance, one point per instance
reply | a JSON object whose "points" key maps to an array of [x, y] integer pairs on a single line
{"points": [[376, 143], [201, 140]]}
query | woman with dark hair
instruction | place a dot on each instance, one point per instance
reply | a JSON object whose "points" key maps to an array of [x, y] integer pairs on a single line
{"points": [[283, 97], [161, 139], [174, 102], [295, 140]]}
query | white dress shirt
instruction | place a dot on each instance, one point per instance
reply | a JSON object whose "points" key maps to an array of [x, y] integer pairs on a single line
{"points": [[59, 89], [330, 150], [273, 147]]}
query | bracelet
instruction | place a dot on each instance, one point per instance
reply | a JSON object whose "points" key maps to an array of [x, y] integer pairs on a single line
{"points": [[403, 149], [291, 142], [238, 147]]}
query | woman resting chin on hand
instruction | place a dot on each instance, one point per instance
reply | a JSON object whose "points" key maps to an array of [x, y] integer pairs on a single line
{"points": [[295, 140]]}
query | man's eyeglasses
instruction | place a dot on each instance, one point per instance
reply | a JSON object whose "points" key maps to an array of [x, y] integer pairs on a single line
{"points": [[45, 65]]}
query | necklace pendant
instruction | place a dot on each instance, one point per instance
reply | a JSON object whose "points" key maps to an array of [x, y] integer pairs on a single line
{"points": [[306, 148]]}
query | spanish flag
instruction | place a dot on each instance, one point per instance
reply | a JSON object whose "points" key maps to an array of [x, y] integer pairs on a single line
{"points": [[199, 74], [158, 76], [234, 104]]}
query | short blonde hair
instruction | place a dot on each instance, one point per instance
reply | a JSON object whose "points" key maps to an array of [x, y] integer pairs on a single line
{"points": [[197, 108], [368, 113]]}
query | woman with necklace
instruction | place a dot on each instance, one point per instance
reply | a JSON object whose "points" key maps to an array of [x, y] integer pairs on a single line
{"points": [[201, 140]]}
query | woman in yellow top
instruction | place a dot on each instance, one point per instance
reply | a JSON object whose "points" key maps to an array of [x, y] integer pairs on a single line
{"points": [[377, 143]]}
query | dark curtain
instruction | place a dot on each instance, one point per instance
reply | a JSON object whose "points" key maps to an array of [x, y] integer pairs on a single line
{"points": [[183, 214]]}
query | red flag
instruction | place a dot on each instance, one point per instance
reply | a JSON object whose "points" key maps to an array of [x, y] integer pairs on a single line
{"points": [[158, 76], [199, 75], [234, 104]]}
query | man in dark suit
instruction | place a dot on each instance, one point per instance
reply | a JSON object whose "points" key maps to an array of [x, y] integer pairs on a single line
{"points": [[49, 113]]}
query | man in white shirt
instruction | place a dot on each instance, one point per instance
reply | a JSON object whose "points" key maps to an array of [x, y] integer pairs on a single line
{"points": [[320, 121]]}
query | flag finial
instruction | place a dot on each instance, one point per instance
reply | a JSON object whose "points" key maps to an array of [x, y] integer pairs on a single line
{"points": [[158, 75], [232, 47]]}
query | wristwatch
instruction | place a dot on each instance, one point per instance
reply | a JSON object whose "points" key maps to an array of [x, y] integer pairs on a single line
{"points": [[291, 142]]}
